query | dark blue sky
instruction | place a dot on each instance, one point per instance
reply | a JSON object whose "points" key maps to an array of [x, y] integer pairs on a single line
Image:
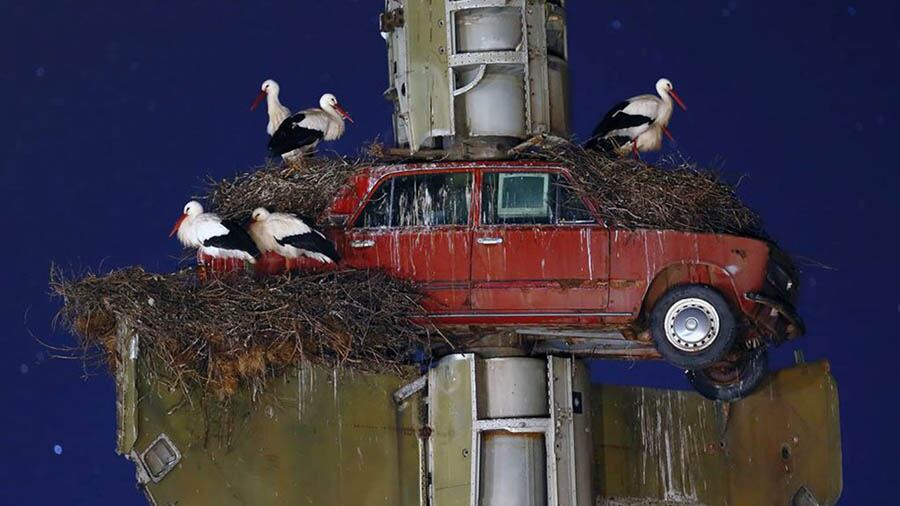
{"points": [[112, 113]]}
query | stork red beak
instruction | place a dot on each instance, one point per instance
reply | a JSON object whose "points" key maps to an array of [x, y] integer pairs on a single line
{"points": [[677, 99], [177, 225], [262, 95], [343, 113]]}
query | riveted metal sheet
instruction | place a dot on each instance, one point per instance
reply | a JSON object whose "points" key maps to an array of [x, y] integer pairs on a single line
{"points": [[316, 436], [675, 448]]}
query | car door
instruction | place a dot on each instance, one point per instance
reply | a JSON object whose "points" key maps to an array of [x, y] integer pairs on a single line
{"points": [[416, 226], [536, 247]]}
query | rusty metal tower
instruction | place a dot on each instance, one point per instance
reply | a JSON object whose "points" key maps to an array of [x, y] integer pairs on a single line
{"points": [[476, 77]]}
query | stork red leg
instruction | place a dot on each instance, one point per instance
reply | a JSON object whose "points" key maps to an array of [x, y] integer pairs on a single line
{"points": [[634, 150], [668, 134]]}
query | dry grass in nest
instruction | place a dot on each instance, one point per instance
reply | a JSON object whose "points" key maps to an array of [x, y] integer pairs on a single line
{"points": [[238, 331], [305, 188], [629, 193], [632, 194]]}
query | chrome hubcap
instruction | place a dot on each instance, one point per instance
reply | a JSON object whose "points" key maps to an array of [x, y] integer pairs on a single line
{"points": [[692, 324]]}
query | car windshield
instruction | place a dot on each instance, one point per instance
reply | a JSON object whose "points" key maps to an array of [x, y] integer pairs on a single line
{"points": [[424, 200]]}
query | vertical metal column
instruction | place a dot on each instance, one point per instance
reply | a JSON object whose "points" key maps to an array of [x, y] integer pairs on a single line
{"points": [[505, 73], [527, 444]]}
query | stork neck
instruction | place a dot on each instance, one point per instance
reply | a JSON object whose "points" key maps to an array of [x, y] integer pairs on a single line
{"points": [[335, 127], [665, 111], [277, 112]]}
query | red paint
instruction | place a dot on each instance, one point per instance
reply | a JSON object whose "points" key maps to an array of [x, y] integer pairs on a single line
{"points": [[211, 267]]}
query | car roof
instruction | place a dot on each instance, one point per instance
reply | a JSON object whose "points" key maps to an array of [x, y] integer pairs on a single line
{"points": [[381, 170]]}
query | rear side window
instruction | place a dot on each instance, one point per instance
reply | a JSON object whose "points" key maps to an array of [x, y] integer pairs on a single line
{"points": [[530, 198], [424, 200]]}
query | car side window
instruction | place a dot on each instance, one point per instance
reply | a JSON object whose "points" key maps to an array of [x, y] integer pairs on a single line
{"points": [[530, 198], [423, 200]]}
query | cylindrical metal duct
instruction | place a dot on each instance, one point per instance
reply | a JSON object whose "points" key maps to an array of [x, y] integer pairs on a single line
{"points": [[513, 469], [512, 387], [496, 105], [488, 29], [513, 465]]}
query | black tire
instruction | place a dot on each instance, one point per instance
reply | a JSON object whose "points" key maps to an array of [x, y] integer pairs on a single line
{"points": [[697, 305], [731, 381]]}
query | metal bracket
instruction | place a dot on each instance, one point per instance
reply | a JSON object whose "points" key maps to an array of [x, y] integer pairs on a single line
{"points": [[391, 20], [408, 390], [473, 83], [164, 450]]}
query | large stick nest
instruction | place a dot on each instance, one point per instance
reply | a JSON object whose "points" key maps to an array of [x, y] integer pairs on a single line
{"points": [[629, 194], [677, 195], [238, 331], [305, 188]]}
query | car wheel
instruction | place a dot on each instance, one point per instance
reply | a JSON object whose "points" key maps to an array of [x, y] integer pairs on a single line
{"points": [[693, 326], [731, 380]]}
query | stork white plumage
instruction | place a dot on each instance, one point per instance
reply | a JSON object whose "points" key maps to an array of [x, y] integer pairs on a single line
{"points": [[637, 124], [277, 112], [213, 236], [296, 135], [290, 236]]}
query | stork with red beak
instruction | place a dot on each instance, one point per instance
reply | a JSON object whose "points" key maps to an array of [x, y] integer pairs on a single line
{"points": [[213, 236], [637, 124], [298, 135], [290, 236]]}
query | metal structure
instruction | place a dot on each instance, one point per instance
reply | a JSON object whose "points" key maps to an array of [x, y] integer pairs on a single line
{"points": [[509, 431], [475, 77], [320, 436]]}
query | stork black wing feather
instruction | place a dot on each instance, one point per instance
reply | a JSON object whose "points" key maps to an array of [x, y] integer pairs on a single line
{"points": [[236, 239], [312, 241], [616, 119], [291, 136]]}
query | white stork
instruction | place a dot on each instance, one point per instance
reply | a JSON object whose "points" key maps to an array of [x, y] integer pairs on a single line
{"points": [[297, 135], [638, 123], [213, 236], [277, 112], [290, 236]]}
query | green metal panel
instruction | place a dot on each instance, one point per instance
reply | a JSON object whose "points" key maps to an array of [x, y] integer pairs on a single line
{"points": [[666, 447], [785, 436], [317, 436], [450, 414], [427, 90]]}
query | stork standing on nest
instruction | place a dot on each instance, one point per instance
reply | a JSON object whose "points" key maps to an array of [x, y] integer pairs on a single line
{"points": [[290, 236], [294, 136], [637, 124], [213, 236]]}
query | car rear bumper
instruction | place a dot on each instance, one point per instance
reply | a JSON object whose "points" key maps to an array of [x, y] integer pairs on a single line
{"points": [[781, 320]]}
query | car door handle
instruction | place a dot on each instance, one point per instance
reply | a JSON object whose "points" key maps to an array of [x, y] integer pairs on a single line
{"points": [[489, 240], [367, 243]]}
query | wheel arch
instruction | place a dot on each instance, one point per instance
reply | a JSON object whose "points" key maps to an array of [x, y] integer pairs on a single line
{"points": [[695, 273]]}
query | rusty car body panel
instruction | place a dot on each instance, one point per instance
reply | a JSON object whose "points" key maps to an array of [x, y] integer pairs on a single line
{"points": [[558, 275]]}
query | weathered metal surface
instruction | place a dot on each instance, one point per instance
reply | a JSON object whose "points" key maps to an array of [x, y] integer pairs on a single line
{"points": [[420, 82], [317, 436], [674, 448], [471, 76], [451, 447]]}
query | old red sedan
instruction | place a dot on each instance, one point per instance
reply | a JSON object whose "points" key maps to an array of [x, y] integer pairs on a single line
{"points": [[509, 248]]}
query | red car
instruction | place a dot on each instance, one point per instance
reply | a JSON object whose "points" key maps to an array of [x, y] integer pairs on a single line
{"points": [[508, 248]]}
